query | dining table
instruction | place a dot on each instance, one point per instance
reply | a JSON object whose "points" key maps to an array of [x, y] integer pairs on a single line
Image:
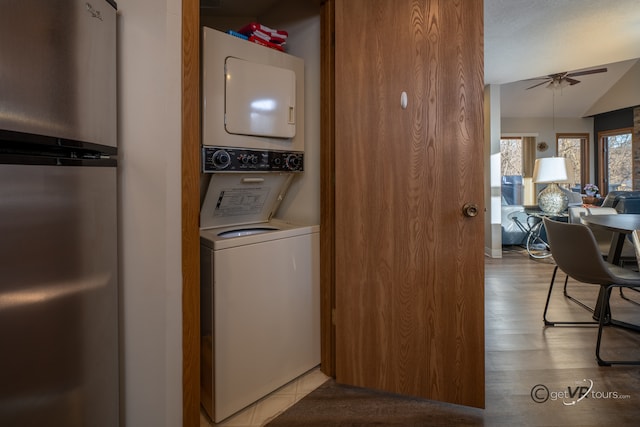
{"points": [[621, 225]]}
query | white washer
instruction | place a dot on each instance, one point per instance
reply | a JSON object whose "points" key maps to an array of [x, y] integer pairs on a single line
{"points": [[260, 293]]}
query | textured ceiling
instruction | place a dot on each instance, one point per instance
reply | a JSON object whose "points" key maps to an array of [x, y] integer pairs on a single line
{"points": [[532, 38]]}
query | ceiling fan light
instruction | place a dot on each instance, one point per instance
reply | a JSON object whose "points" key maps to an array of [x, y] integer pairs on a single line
{"points": [[558, 84]]}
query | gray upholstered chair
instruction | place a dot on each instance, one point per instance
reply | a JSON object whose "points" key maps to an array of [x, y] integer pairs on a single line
{"points": [[603, 237], [575, 213], [628, 254], [577, 254], [635, 237]]}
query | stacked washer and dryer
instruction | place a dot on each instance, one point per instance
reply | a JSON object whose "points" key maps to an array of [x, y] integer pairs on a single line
{"points": [[260, 276]]}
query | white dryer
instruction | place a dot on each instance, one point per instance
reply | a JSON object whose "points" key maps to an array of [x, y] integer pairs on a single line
{"points": [[260, 291]]}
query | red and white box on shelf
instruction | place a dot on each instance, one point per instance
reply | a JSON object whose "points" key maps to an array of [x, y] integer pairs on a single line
{"points": [[261, 34]]}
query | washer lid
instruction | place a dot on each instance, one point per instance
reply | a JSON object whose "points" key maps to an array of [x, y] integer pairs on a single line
{"points": [[242, 198], [241, 232]]}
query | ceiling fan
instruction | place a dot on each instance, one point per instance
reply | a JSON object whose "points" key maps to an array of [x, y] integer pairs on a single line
{"points": [[560, 80]]}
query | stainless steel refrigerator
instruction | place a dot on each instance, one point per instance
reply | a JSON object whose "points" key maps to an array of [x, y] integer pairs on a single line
{"points": [[58, 214]]}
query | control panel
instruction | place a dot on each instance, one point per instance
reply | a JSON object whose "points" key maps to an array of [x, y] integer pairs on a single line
{"points": [[223, 159]]}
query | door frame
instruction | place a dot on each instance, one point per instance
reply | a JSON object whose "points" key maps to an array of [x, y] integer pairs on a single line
{"points": [[603, 170], [327, 191], [190, 213], [191, 206]]}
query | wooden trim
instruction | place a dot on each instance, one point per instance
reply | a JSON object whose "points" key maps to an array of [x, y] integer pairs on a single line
{"points": [[327, 193], [584, 153], [635, 147], [190, 213], [603, 171]]}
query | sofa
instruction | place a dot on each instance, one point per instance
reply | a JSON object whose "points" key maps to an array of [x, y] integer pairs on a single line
{"points": [[623, 201], [512, 234]]}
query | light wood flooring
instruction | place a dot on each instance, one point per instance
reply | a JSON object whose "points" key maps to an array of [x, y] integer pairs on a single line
{"points": [[521, 355]]}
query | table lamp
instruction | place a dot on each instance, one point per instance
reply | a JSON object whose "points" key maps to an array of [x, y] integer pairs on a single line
{"points": [[551, 170]]}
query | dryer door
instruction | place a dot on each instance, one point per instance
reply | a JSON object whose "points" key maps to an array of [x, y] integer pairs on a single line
{"points": [[260, 99]]}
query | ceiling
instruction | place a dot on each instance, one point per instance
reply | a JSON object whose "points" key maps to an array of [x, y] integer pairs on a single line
{"points": [[525, 39], [516, 100], [533, 38]]}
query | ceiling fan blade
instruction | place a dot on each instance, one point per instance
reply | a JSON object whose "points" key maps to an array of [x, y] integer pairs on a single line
{"points": [[572, 81], [586, 72], [539, 84]]}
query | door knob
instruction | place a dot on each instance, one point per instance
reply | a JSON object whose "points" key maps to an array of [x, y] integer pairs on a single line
{"points": [[470, 210]]}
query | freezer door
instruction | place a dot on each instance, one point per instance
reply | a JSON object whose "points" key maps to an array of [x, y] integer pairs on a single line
{"points": [[58, 69], [58, 296]]}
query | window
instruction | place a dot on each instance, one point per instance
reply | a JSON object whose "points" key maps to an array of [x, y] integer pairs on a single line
{"points": [[517, 156], [511, 170], [575, 148], [616, 160], [511, 156]]}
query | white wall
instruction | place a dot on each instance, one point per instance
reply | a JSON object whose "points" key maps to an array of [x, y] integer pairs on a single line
{"points": [[624, 94], [150, 225], [493, 217]]}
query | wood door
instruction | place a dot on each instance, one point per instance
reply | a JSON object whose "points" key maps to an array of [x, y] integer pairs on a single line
{"points": [[409, 268]]}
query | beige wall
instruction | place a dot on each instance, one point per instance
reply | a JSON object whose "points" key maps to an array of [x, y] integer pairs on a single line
{"points": [[624, 94], [149, 134], [302, 22]]}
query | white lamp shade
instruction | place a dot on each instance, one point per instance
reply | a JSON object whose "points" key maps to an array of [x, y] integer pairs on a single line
{"points": [[550, 169]]}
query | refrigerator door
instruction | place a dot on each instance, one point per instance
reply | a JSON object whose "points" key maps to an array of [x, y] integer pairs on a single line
{"points": [[58, 69], [58, 296]]}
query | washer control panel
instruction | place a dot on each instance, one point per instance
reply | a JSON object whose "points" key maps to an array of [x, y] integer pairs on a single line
{"points": [[224, 159]]}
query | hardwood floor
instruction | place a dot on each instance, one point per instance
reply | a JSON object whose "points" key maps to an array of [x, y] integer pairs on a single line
{"points": [[521, 353]]}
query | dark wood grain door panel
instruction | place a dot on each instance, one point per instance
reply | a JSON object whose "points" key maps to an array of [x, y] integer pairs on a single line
{"points": [[408, 263]]}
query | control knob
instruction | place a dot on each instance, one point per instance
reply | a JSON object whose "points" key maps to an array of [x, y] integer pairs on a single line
{"points": [[293, 162], [221, 159]]}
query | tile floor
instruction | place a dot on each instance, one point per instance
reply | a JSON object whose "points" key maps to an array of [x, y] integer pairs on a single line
{"points": [[270, 406]]}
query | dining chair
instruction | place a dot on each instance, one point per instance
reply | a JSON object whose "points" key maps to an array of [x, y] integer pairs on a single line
{"points": [[576, 253], [635, 238], [575, 213], [627, 256], [603, 237]]}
